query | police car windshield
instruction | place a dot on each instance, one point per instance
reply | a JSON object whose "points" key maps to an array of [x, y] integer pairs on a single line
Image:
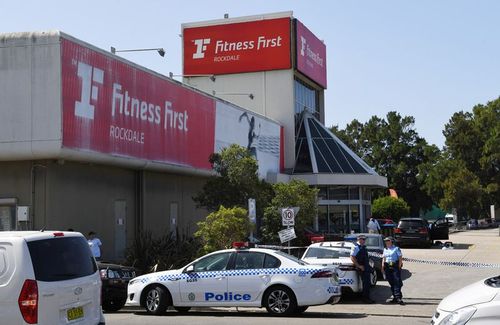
{"points": [[290, 257]]}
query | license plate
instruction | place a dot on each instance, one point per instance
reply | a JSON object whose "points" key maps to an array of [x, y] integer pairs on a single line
{"points": [[75, 313]]}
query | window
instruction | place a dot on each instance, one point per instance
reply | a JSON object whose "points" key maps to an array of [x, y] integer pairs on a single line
{"points": [[271, 262], [249, 260], [306, 98], [338, 193], [61, 259], [217, 262], [317, 252]]}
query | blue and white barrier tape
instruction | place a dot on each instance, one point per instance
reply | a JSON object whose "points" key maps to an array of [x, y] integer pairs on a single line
{"points": [[405, 259]]}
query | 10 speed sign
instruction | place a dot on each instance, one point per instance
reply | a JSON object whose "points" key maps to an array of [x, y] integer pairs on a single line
{"points": [[288, 217]]}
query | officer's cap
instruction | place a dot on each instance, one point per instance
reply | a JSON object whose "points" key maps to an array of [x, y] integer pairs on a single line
{"points": [[361, 237], [388, 238]]}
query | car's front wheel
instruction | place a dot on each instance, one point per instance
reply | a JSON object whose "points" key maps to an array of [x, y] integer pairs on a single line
{"points": [[113, 305], [156, 300], [280, 301], [373, 277]]}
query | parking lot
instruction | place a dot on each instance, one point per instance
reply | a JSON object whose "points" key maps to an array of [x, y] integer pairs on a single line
{"points": [[424, 287]]}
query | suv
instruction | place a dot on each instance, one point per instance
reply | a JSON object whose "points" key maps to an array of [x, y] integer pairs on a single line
{"points": [[417, 231], [115, 280], [48, 277]]}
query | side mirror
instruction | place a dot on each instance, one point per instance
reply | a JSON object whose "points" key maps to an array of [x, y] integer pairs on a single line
{"points": [[189, 269]]}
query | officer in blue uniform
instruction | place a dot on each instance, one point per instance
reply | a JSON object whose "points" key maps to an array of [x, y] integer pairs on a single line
{"points": [[392, 262], [359, 257]]}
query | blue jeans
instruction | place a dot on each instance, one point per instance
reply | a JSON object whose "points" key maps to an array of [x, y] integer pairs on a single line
{"points": [[393, 275]]}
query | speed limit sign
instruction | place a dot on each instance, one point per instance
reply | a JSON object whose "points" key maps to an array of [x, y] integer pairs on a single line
{"points": [[288, 217]]}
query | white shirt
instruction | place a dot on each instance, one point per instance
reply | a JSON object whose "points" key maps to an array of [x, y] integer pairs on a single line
{"points": [[94, 246], [373, 225]]}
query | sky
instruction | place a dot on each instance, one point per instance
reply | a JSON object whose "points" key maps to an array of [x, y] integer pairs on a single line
{"points": [[427, 58]]}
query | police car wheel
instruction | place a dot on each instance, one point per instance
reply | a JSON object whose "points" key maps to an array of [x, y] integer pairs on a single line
{"points": [[156, 300], [373, 278], [182, 309], [280, 301]]}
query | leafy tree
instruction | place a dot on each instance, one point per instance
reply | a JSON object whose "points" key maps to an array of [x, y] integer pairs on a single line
{"points": [[296, 193], [393, 148], [235, 182], [223, 227], [463, 191], [390, 207]]}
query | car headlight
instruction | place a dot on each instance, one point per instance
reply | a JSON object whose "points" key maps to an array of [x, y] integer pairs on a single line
{"points": [[335, 277], [459, 316]]}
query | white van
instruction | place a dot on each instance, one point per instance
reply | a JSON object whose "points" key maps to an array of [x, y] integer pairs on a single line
{"points": [[48, 278]]}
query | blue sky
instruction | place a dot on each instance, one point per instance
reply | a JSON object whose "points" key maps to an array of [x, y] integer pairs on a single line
{"points": [[425, 58]]}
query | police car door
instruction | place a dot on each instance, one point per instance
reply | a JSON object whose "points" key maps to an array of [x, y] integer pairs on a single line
{"points": [[250, 278], [206, 281]]}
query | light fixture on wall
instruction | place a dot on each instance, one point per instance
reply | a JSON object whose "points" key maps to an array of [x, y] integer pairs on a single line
{"points": [[216, 93], [211, 76], [160, 50]]}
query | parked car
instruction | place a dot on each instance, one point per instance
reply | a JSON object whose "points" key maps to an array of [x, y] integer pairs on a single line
{"points": [[115, 280], [474, 304], [472, 224], [375, 245], [48, 277], [238, 277], [418, 231], [337, 254]]}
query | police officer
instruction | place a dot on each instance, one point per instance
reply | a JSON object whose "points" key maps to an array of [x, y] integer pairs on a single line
{"points": [[392, 262], [359, 256]]}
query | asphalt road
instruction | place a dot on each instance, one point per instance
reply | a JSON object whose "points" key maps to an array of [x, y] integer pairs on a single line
{"points": [[424, 287]]}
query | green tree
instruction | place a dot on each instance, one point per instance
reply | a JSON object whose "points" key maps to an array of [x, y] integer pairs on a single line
{"points": [[236, 181], [223, 227], [390, 207], [296, 193], [393, 148], [462, 190]]}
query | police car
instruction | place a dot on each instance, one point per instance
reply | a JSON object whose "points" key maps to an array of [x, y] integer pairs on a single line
{"points": [[240, 277], [338, 253], [478, 303]]}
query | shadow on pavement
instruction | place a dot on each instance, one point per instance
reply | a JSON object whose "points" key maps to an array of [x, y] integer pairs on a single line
{"points": [[263, 314]]}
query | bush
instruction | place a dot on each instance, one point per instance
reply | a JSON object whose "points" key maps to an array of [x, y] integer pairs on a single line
{"points": [[223, 227], [148, 253], [390, 207]]}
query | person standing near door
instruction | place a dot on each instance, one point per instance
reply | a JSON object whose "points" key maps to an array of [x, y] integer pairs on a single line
{"points": [[95, 245], [373, 226]]}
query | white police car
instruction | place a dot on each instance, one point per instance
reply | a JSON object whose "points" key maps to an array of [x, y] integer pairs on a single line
{"points": [[251, 277], [478, 303], [338, 254]]}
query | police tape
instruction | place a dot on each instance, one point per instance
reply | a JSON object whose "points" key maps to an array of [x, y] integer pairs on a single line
{"points": [[405, 259]]}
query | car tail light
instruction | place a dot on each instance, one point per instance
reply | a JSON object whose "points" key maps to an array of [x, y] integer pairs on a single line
{"points": [[28, 301], [58, 234], [423, 230], [322, 274], [397, 230]]}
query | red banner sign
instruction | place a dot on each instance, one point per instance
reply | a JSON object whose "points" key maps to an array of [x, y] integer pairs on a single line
{"points": [[239, 47], [113, 108], [311, 55]]}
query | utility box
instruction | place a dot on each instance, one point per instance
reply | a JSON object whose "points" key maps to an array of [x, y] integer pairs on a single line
{"points": [[23, 213]]}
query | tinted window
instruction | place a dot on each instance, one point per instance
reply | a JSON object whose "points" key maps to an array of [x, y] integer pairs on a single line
{"points": [[411, 224], [271, 262], [61, 258], [247, 260], [217, 262]]}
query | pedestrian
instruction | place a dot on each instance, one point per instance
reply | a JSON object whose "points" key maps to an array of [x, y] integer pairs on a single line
{"points": [[392, 263], [95, 245], [359, 257], [373, 226]]}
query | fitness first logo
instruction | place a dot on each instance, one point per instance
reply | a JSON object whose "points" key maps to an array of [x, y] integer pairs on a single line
{"points": [[306, 51], [201, 47], [91, 79]]}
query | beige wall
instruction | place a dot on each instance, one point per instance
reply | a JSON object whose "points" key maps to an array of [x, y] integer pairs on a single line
{"points": [[82, 196]]}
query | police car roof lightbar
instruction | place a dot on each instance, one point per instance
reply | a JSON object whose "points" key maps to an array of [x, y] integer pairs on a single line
{"points": [[240, 244]]}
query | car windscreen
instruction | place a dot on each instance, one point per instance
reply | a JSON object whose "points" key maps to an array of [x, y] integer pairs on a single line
{"points": [[317, 252], [62, 258], [411, 224]]}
